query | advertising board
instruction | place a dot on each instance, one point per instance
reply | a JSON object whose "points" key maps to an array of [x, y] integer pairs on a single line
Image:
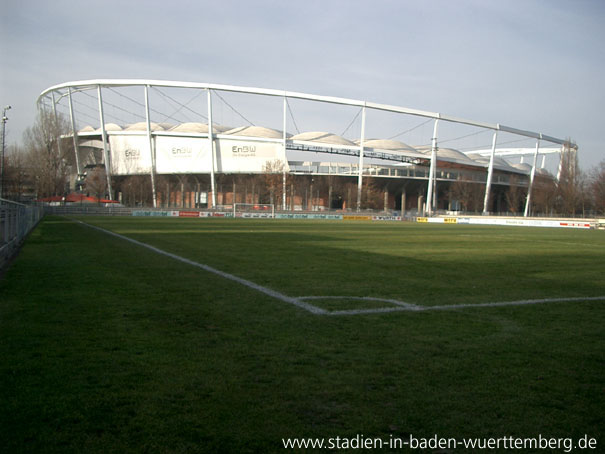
{"points": [[129, 155]]}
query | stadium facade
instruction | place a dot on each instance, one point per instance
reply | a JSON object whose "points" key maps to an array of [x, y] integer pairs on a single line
{"points": [[412, 177]]}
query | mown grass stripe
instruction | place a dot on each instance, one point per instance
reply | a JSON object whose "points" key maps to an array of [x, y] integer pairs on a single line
{"points": [[300, 301], [266, 290], [416, 308]]}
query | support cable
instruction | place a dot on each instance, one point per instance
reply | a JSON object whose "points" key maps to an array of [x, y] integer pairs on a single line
{"points": [[292, 116], [84, 114], [176, 109], [499, 144], [411, 129], [233, 108], [352, 121], [136, 102], [181, 105], [85, 105], [115, 106], [465, 136]]}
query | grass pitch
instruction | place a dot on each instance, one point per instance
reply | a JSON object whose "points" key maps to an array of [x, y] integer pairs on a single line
{"points": [[108, 346]]}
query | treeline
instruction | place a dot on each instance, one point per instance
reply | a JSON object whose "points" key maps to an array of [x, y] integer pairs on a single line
{"points": [[577, 193], [41, 167]]}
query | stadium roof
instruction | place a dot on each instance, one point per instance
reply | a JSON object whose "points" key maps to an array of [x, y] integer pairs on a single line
{"points": [[499, 163], [256, 131], [323, 137], [201, 128], [142, 126], [109, 127], [450, 155], [95, 83], [388, 146]]}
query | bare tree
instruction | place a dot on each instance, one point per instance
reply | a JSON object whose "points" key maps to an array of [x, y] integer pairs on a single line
{"points": [[301, 185], [544, 195], [136, 190], [163, 190], [570, 188], [96, 182], [515, 195], [596, 187], [372, 194], [240, 185], [273, 177], [17, 178], [50, 164], [469, 195], [340, 191], [254, 188], [349, 190]]}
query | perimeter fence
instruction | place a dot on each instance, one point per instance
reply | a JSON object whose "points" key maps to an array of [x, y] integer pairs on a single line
{"points": [[16, 221], [77, 210]]}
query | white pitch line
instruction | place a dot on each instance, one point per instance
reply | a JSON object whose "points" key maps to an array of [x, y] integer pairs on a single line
{"points": [[247, 283], [362, 298], [300, 301], [516, 303], [416, 308], [378, 310]]}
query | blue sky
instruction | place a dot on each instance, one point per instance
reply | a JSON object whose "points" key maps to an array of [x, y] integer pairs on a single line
{"points": [[536, 65]]}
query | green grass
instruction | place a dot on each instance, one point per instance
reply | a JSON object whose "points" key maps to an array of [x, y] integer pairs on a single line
{"points": [[108, 347], [434, 264]]}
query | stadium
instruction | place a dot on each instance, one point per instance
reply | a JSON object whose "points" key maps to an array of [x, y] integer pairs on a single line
{"points": [[136, 330], [201, 145]]}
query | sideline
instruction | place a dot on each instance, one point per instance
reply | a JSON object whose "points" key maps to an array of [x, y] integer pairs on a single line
{"points": [[401, 306], [396, 305], [247, 283]]}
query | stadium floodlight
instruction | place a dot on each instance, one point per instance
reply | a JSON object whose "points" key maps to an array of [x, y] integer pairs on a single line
{"points": [[4, 119]]}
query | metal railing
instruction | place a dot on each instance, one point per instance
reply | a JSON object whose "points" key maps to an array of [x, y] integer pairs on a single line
{"points": [[77, 210], [16, 221]]}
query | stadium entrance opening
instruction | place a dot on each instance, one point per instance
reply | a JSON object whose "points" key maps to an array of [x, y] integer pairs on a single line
{"points": [[337, 202]]}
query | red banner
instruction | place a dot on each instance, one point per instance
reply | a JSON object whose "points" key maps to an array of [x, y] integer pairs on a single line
{"points": [[189, 214]]}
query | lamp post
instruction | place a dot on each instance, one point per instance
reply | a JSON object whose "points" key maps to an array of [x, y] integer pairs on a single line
{"points": [[4, 118]]}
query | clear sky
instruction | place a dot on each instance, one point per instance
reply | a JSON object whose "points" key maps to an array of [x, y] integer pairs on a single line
{"points": [[532, 64]]}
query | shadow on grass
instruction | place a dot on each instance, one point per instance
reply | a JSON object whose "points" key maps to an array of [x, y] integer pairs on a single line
{"points": [[108, 347], [451, 265]]}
